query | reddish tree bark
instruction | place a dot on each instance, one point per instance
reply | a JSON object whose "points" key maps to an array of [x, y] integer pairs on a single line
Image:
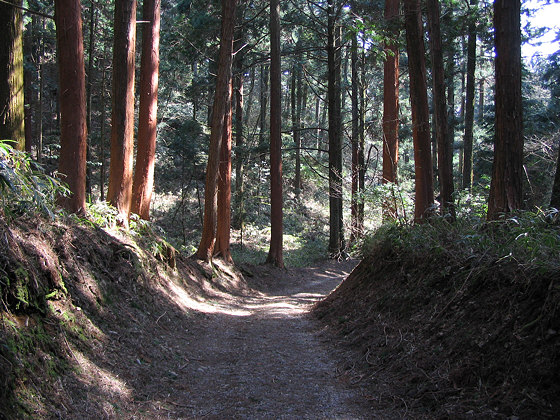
{"points": [[12, 115], [391, 104], [143, 184], [221, 94], [391, 96], [89, 84], [275, 254], [444, 146], [336, 223], [122, 130], [222, 246], [72, 82], [102, 170], [424, 190], [507, 169], [239, 213]]}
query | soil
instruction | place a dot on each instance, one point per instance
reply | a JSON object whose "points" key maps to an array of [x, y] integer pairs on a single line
{"points": [[134, 337], [100, 324], [254, 355], [481, 344]]}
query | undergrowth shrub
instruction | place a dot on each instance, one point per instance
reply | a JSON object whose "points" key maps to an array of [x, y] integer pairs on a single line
{"points": [[24, 187], [525, 237]]}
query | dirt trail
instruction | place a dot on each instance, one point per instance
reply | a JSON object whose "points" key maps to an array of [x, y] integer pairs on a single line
{"points": [[258, 356]]}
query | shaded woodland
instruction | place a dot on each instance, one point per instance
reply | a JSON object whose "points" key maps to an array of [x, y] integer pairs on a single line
{"points": [[373, 112], [192, 139]]}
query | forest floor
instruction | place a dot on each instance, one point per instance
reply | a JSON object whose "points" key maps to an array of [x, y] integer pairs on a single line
{"points": [[98, 323], [132, 333], [254, 355]]}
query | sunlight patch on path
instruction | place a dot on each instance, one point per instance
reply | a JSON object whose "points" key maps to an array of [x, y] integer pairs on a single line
{"points": [[186, 302], [288, 304], [270, 363], [93, 375]]}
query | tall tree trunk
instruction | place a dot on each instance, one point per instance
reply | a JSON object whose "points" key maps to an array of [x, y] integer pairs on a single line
{"points": [[450, 82], [223, 228], [391, 105], [30, 51], [356, 231], [424, 190], [461, 118], [12, 110], [41, 95], [296, 104], [239, 214], [362, 139], [143, 184], [122, 126], [507, 168], [91, 50], [102, 170], [221, 95], [28, 85], [334, 58], [444, 146], [72, 87], [469, 105], [275, 253]]}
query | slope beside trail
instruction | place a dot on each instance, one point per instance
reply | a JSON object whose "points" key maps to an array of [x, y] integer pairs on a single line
{"points": [[257, 356], [118, 328], [252, 351]]}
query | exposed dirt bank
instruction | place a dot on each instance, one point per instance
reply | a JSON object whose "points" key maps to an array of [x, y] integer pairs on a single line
{"points": [[446, 331], [107, 328]]}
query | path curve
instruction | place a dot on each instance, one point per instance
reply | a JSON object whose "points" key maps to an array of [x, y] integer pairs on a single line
{"points": [[263, 357]]}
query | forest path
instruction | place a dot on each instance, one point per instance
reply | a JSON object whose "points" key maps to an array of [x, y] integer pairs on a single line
{"points": [[258, 356]]}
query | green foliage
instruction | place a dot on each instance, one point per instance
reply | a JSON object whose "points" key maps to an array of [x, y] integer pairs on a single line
{"points": [[100, 213], [527, 238], [473, 204], [400, 197], [24, 187]]}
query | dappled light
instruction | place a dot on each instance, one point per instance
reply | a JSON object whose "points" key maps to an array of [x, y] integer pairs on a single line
{"points": [[105, 381], [292, 210], [183, 300]]}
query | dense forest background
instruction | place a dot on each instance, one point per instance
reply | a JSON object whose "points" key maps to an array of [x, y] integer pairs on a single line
{"points": [[189, 43], [410, 134]]}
